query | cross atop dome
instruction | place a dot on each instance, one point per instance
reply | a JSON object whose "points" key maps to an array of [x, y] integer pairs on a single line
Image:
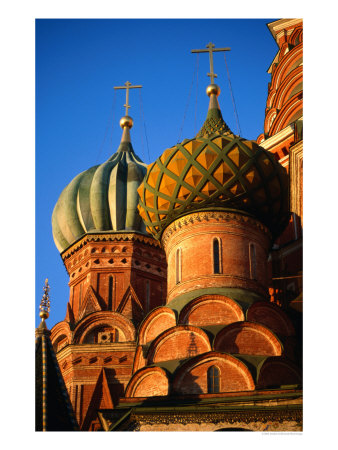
{"points": [[127, 86], [210, 49]]}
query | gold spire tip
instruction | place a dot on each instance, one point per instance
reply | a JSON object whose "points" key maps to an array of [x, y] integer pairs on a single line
{"points": [[45, 302]]}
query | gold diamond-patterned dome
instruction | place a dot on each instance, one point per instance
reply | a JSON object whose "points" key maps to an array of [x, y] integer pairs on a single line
{"points": [[214, 171]]}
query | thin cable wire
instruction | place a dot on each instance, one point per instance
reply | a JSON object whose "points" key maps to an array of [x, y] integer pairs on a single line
{"points": [[110, 120], [187, 105], [197, 57], [142, 144], [233, 99], [145, 130]]}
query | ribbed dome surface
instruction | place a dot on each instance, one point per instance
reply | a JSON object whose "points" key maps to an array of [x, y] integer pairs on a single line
{"points": [[102, 198], [214, 171]]}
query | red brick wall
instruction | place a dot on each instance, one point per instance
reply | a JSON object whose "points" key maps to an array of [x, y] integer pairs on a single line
{"points": [[196, 243], [211, 310], [155, 323], [148, 383], [234, 376], [178, 343], [277, 373], [248, 339], [129, 262], [272, 317]]}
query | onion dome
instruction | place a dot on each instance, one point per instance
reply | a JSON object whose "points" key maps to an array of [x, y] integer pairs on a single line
{"points": [[102, 198], [214, 171]]}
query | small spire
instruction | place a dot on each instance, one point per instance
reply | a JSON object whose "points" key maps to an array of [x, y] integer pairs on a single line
{"points": [[44, 305], [214, 122], [126, 121]]}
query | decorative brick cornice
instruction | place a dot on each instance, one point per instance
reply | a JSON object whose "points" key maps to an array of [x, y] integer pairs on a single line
{"points": [[108, 237], [210, 216], [231, 416]]}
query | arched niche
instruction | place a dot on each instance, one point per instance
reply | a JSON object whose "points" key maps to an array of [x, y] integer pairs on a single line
{"points": [[192, 376], [211, 310], [179, 342], [148, 382], [247, 338], [157, 321]]}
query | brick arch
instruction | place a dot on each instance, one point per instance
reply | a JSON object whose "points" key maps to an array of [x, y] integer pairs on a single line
{"points": [[211, 310], [269, 119], [271, 95], [278, 371], [271, 316], [157, 321], [293, 79], [286, 114], [247, 338], [297, 35], [191, 377], [61, 329], [284, 67], [108, 318], [182, 341], [148, 382]]}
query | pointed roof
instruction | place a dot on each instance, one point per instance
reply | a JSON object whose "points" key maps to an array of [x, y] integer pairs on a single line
{"points": [[130, 305], [53, 410], [90, 304], [50, 390], [101, 399], [214, 122]]}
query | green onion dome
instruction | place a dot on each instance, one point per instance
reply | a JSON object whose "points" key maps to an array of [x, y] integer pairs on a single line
{"points": [[214, 171], [101, 199]]}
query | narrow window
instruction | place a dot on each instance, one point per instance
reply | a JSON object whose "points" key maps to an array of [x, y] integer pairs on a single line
{"points": [[253, 264], [178, 265], [147, 295], [216, 252], [80, 296], [213, 380], [110, 293]]}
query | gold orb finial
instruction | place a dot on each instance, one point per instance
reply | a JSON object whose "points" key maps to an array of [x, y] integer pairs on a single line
{"points": [[213, 89], [126, 121]]}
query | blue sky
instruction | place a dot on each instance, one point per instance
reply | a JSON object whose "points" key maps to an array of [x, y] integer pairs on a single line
{"points": [[78, 62]]}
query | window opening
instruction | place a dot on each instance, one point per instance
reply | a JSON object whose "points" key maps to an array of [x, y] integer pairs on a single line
{"points": [[178, 265], [253, 264], [110, 293], [213, 380], [216, 252]]}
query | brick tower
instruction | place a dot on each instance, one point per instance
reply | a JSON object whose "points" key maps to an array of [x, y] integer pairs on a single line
{"points": [[117, 274], [216, 203], [283, 137]]}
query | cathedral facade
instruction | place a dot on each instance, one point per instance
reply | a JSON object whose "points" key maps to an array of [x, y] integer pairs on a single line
{"points": [[185, 275]]}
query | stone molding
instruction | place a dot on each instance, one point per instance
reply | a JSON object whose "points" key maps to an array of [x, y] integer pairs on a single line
{"points": [[231, 417], [209, 216], [108, 237]]}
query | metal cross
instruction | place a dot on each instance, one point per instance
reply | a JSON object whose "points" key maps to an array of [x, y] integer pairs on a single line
{"points": [[211, 48], [127, 87]]}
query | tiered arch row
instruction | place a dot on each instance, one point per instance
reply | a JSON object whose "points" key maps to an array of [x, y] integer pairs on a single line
{"points": [[211, 345]]}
